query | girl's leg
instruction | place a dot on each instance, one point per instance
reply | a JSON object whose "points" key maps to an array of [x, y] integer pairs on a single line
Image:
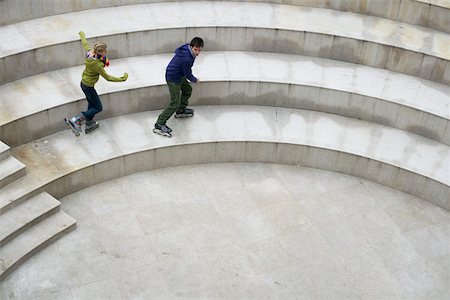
{"points": [[94, 104]]}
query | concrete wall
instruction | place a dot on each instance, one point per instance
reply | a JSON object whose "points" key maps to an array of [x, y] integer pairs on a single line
{"points": [[283, 153], [368, 53], [409, 11], [156, 97]]}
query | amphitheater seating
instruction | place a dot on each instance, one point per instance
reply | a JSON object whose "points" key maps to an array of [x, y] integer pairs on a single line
{"points": [[29, 228], [67, 164], [234, 78], [306, 83], [427, 13], [10, 168], [32, 47]]}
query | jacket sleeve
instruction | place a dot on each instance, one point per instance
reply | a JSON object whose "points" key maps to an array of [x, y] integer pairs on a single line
{"points": [[101, 70], [187, 71], [84, 42]]}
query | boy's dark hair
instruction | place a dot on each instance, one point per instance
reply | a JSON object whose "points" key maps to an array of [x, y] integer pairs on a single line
{"points": [[197, 42]]}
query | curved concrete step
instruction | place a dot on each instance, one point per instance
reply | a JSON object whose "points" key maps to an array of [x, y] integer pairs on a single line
{"points": [[4, 149], [19, 191], [62, 164], [428, 13], [33, 240], [34, 107], [26, 215], [10, 170], [34, 47]]}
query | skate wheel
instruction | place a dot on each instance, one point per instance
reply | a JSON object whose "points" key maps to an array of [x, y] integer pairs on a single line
{"points": [[77, 134], [162, 133]]}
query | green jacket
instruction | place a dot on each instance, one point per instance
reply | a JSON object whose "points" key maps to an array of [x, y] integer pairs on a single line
{"points": [[94, 68]]}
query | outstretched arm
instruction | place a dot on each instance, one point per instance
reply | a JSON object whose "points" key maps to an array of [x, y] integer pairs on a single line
{"points": [[84, 42], [100, 70]]}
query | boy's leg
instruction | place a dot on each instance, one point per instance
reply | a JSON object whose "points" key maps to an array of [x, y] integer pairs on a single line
{"points": [[174, 89], [186, 92], [94, 104]]}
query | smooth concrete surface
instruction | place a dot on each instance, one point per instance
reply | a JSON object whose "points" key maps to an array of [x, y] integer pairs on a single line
{"points": [[16, 221], [428, 13], [35, 46], [4, 151], [32, 108], [61, 163], [441, 3], [21, 248], [29, 228], [10, 170], [242, 231]]}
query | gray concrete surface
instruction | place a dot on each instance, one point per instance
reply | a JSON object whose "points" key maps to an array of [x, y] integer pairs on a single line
{"points": [[28, 243], [433, 14], [30, 48], [10, 170], [61, 163], [376, 95], [242, 231], [264, 250], [29, 228], [4, 151]]}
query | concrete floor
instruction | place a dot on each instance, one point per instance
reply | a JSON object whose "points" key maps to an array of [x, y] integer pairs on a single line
{"points": [[242, 231]]}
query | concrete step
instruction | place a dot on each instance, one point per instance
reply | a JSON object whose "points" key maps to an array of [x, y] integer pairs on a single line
{"points": [[30, 47], [421, 12], [10, 170], [63, 164], [233, 77], [4, 149], [24, 246], [17, 220], [18, 192]]}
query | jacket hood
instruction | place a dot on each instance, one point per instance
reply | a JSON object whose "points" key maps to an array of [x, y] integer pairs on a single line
{"points": [[184, 51], [91, 61], [90, 58]]}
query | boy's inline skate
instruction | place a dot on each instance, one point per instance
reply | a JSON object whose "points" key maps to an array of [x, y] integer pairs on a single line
{"points": [[163, 130], [186, 113]]}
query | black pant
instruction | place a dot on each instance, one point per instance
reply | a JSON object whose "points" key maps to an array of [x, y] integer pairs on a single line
{"points": [[94, 104]]}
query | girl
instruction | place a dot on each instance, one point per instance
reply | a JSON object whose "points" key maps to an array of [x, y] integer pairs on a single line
{"points": [[95, 62]]}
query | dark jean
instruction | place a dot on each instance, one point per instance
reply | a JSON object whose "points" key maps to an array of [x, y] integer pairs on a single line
{"points": [[94, 104], [179, 96]]}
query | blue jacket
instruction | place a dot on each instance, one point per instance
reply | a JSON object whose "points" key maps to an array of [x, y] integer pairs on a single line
{"points": [[180, 65]]}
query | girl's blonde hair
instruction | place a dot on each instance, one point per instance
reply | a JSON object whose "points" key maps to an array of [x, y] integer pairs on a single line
{"points": [[99, 46]]}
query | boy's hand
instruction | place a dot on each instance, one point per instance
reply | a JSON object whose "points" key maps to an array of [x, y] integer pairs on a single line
{"points": [[125, 76]]}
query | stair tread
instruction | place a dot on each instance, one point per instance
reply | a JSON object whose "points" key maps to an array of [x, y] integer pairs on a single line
{"points": [[31, 240], [24, 214], [9, 166], [4, 151]]}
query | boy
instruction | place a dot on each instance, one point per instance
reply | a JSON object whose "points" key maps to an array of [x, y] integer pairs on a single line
{"points": [[178, 72], [95, 62]]}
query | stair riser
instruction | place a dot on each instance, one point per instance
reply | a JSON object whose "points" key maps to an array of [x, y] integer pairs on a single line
{"points": [[269, 40], [36, 250], [28, 225], [5, 154], [13, 177], [20, 200]]}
